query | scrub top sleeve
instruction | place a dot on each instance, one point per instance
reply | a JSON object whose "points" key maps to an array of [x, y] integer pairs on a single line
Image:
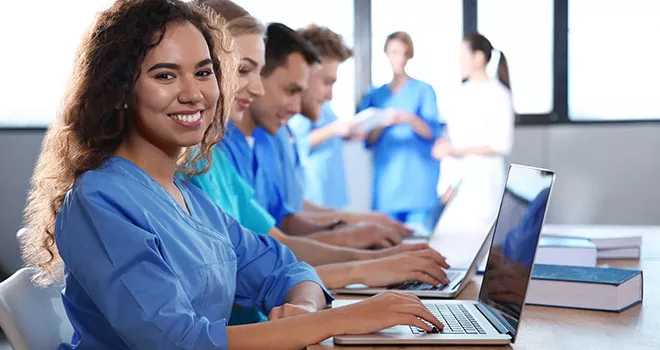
{"points": [[428, 110], [366, 101], [267, 269], [119, 266], [253, 216]]}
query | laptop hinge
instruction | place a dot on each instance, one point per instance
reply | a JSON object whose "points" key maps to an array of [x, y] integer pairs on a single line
{"points": [[497, 322]]}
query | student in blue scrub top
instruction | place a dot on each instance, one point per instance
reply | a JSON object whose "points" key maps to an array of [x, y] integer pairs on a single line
{"points": [[405, 174], [148, 260], [319, 133], [323, 164], [260, 157], [321, 80]]}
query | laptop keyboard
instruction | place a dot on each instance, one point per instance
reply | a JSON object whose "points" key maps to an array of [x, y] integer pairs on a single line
{"points": [[416, 285], [456, 318]]}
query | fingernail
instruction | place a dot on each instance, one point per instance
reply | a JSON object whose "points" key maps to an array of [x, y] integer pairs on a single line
{"points": [[446, 281]]}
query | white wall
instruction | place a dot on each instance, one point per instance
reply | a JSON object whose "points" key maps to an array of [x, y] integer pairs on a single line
{"points": [[19, 154], [606, 174]]}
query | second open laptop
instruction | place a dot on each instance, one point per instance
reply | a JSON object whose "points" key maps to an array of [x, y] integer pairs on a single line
{"points": [[495, 317], [460, 276]]}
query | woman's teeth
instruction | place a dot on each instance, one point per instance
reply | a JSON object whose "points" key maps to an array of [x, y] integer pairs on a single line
{"points": [[188, 118]]}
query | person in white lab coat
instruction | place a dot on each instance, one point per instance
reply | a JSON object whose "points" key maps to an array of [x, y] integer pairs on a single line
{"points": [[478, 136]]}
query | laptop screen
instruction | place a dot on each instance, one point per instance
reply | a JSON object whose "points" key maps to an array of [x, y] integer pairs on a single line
{"points": [[516, 236]]}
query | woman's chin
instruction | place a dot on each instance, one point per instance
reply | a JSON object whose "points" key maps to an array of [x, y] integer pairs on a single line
{"points": [[237, 115]]}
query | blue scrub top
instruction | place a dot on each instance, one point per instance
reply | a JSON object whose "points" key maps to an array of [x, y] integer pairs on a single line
{"points": [[323, 165], [282, 148], [261, 166], [405, 174], [143, 274]]}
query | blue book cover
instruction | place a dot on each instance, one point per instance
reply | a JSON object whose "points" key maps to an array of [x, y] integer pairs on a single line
{"points": [[610, 276]]}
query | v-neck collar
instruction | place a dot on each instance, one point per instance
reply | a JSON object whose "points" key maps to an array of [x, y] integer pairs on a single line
{"points": [[159, 189]]}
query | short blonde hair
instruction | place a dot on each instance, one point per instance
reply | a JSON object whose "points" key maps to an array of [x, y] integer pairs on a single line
{"points": [[239, 21], [405, 39]]}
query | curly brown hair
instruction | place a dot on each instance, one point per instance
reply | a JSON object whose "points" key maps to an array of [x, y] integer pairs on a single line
{"points": [[327, 43], [91, 123]]}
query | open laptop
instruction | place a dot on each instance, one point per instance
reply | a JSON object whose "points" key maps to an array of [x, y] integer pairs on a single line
{"points": [[495, 317], [458, 248], [464, 249]]}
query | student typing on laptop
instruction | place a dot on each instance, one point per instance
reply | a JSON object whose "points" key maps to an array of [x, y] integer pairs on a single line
{"points": [[495, 317]]}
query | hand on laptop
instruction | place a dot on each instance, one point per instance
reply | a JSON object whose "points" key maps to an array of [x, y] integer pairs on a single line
{"points": [[382, 311], [401, 248], [361, 235], [424, 265]]}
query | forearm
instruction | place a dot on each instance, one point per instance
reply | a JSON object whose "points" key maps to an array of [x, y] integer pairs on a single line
{"points": [[340, 275], [307, 293], [421, 128], [313, 207], [287, 333], [297, 225], [332, 237], [317, 253], [321, 135], [374, 135]]}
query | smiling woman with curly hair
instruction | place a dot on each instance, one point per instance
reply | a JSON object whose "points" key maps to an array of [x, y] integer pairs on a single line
{"points": [[148, 260]]}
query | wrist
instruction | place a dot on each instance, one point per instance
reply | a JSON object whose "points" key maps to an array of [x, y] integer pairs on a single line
{"points": [[363, 254], [357, 272], [336, 320]]}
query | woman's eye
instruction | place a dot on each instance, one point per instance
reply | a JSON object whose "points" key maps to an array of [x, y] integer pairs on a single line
{"points": [[165, 76], [205, 73]]}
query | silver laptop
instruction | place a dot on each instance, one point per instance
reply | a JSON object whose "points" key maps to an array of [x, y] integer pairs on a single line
{"points": [[495, 317], [458, 248]]}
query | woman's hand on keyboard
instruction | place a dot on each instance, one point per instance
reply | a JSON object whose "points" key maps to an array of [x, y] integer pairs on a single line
{"points": [[425, 265], [382, 311]]}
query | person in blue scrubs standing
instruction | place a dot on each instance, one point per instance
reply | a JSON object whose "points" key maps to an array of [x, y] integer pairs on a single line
{"points": [[319, 134], [148, 260], [405, 174]]}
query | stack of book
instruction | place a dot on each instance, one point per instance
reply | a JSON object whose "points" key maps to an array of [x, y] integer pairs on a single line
{"points": [[610, 245], [591, 288]]}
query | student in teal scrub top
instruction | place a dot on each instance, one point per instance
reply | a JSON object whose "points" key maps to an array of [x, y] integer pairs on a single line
{"points": [[405, 174], [148, 260], [236, 198]]}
